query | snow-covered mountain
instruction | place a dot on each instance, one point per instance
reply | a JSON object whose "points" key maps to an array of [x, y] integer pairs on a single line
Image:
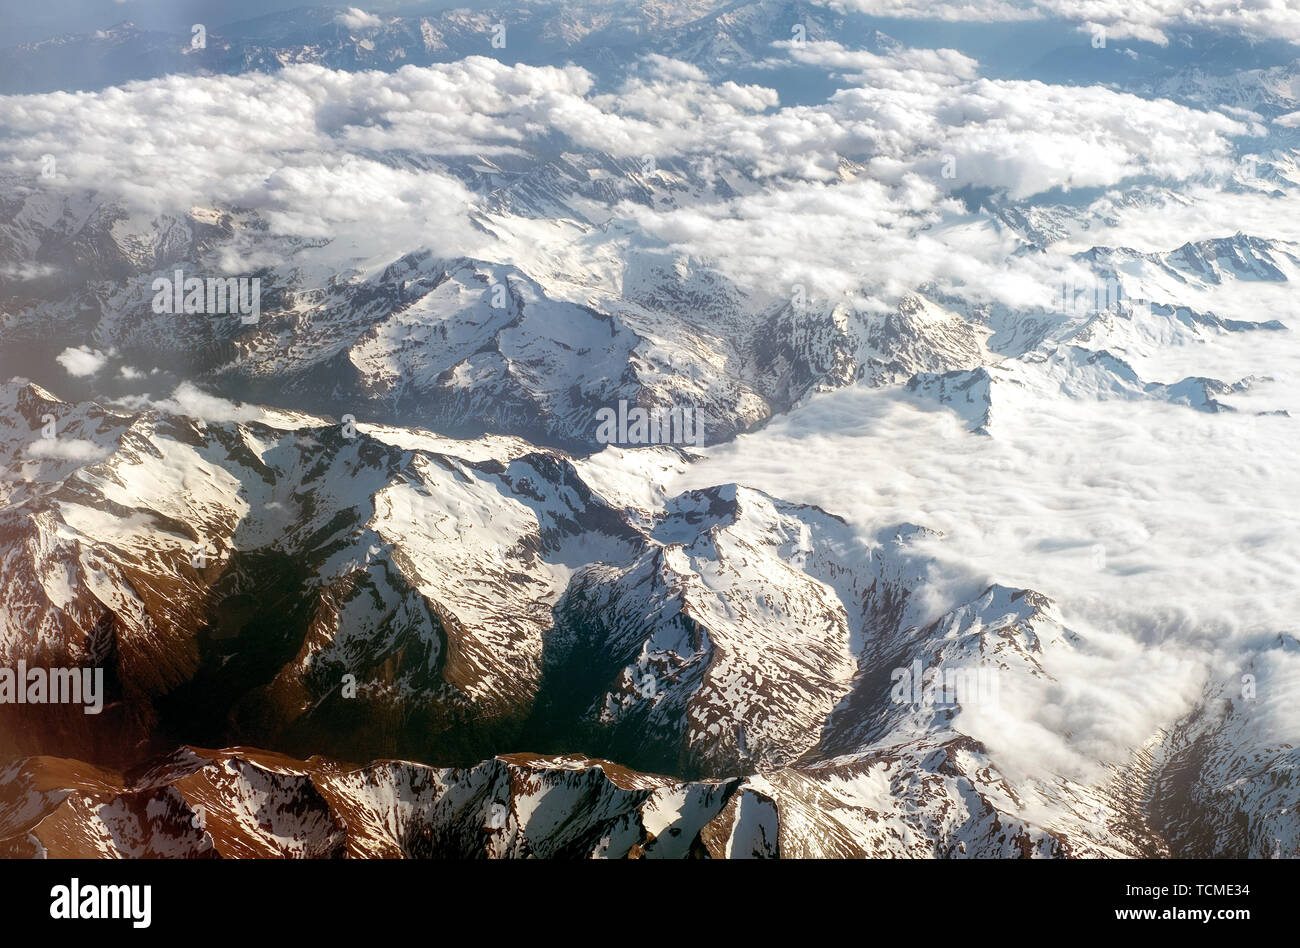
{"points": [[242, 803], [496, 594], [464, 346], [403, 563]]}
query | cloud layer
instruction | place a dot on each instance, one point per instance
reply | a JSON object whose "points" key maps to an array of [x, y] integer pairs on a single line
{"points": [[322, 153], [1149, 20]]}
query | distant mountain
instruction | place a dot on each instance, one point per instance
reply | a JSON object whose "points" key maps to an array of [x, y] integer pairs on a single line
{"points": [[721, 37], [597, 34]]}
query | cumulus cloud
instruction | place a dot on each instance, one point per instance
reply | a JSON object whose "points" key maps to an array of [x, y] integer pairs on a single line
{"points": [[67, 449], [355, 19], [897, 68], [304, 139], [1151, 19], [923, 125], [82, 361], [190, 400], [918, 106], [323, 153], [327, 155]]}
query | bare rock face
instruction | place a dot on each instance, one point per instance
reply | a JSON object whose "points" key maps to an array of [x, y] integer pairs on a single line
{"points": [[241, 803]]}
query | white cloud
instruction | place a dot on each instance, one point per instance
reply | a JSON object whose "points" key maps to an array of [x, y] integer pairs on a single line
{"points": [[190, 400], [317, 150], [914, 116], [329, 154], [1148, 20], [961, 11], [357, 19], [67, 449], [1195, 514], [82, 361], [26, 271]]}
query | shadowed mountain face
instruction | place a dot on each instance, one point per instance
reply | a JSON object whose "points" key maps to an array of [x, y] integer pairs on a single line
{"points": [[252, 804], [655, 429]]}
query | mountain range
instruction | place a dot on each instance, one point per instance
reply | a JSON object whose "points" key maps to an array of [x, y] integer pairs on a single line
{"points": [[368, 578]]}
